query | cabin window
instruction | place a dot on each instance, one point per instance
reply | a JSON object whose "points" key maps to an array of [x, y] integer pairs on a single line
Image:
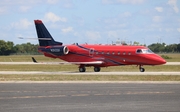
{"points": [[97, 53], [108, 53], [129, 53], [118, 53], [102, 52], [144, 51], [113, 53], [124, 53]]}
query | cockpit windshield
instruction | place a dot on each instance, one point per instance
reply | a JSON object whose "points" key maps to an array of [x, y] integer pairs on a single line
{"points": [[144, 51]]}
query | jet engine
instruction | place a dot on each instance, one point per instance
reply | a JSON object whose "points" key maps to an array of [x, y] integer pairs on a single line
{"points": [[59, 50], [55, 50]]}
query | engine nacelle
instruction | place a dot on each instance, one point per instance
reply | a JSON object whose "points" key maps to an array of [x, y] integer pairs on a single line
{"points": [[56, 50], [59, 50]]}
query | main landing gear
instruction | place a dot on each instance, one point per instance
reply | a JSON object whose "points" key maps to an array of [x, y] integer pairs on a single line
{"points": [[97, 69], [83, 69], [141, 69]]}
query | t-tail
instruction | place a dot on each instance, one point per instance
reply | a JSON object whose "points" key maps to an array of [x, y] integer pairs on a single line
{"points": [[44, 37]]}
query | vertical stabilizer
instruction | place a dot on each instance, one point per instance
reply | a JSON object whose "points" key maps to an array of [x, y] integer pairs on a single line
{"points": [[44, 37]]}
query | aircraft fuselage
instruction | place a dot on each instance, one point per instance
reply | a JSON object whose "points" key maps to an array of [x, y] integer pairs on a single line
{"points": [[111, 55]]}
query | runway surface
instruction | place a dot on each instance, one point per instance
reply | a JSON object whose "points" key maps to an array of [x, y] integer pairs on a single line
{"points": [[89, 97], [87, 73]]}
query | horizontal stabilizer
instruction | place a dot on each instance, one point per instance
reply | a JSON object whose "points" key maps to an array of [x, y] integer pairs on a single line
{"points": [[35, 38]]}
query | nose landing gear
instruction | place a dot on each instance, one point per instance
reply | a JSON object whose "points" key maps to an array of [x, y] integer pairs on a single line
{"points": [[141, 69]]}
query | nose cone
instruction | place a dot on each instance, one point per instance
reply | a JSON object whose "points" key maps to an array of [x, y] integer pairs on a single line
{"points": [[154, 59], [162, 61], [159, 60]]}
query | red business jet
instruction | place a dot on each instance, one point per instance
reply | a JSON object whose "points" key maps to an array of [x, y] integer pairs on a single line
{"points": [[95, 55]]}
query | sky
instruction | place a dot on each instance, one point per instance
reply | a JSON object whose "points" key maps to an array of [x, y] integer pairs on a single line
{"points": [[92, 21]]}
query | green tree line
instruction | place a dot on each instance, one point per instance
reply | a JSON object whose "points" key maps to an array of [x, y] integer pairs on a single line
{"points": [[7, 48], [163, 48]]}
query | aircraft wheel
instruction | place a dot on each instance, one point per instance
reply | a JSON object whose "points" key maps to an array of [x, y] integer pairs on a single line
{"points": [[97, 69], [142, 69], [82, 69]]}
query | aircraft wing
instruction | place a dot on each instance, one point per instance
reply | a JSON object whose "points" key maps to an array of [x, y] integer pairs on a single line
{"points": [[78, 63], [88, 63]]}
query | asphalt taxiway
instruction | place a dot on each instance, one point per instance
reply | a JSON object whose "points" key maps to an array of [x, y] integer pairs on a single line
{"points": [[89, 97]]}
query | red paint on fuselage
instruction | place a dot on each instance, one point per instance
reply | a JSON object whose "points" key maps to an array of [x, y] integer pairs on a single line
{"points": [[111, 55]]}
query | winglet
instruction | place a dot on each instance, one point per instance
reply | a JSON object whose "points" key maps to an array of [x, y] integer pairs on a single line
{"points": [[34, 60]]}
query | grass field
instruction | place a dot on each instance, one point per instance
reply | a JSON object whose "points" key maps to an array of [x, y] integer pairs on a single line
{"points": [[54, 68], [89, 78], [110, 77], [25, 58], [175, 57], [41, 58]]}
